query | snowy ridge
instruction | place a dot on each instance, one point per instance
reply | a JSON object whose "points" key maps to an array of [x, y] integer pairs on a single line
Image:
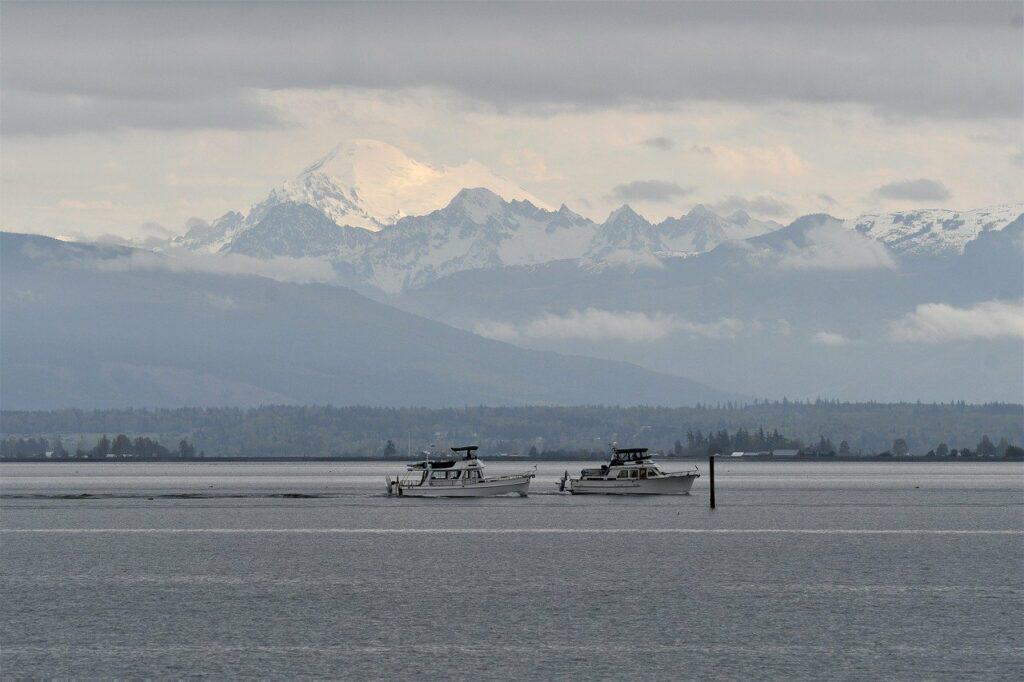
{"points": [[371, 184], [390, 222], [477, 229], [935, 232], [702, 230], [213, 236]]}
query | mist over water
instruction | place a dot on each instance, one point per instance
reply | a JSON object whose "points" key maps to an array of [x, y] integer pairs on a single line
{"points": [[806, 570]]}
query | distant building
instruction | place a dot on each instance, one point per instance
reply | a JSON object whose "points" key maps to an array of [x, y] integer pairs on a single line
{"points": [[784, 453]]}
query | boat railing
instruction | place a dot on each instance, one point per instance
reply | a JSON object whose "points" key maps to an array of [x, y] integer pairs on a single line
{"points": [[415, 479], [687, 472], [530, 473], [411, 479]]}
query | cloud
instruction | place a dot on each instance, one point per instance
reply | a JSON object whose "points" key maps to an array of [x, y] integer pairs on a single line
{"points": [[746, 160], [830, 339], [921, 189], [35, 113], [97, 66], [761, 205], [1017, 158], [661, 142], [594, 324], [940, 322], [651, 191], [79, 205], [203, 181], [528, 165], [148, 235], [827, 199], [284, 269], [156, 229], [830, 246]]}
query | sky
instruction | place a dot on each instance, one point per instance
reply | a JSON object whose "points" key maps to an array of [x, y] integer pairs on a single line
{"points": [[129, 119]]}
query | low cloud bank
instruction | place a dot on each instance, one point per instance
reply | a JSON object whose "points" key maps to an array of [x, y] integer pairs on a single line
{"points": [[760, 205], [832, 247], [940, 322], [661, 142], [284, 269], [830, 339], [921, 189], [594, 324], [651, 191]]}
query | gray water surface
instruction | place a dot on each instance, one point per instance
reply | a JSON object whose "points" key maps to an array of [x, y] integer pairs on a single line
{"points": [[805, 570]]}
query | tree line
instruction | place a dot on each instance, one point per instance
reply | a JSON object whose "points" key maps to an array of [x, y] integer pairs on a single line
{"points": [[120, 447], [324, 431]]}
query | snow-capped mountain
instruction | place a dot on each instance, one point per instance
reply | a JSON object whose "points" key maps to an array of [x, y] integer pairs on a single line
{"points": [[212, 237], [480, 230], [933, 232], [625, 234], [389, 222], [702, 230], [371, 184], [477, 229], [297, 230]]}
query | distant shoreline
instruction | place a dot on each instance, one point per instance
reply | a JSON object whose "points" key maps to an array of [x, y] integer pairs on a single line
{"points": [[491, 460]]}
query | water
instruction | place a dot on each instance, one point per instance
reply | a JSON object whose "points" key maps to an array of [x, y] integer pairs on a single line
{"points": [[808, 571]]}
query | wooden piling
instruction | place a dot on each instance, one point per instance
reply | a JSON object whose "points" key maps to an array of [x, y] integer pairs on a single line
{"points": [[711, 471]]}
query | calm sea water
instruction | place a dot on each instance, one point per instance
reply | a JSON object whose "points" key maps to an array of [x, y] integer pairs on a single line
{"points": [[811, 571]]}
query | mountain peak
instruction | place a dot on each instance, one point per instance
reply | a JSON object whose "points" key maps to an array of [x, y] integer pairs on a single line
{"points": [[475, 196], [371, 184], [570, 215], [739, 217], [478, 203], [624, 213], [625, 234], [701, 211]]}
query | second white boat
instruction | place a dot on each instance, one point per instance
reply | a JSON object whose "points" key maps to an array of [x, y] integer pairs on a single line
{"points": [[630, 472]]}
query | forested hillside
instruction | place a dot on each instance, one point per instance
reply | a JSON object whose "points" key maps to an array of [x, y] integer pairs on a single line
{"points": [[314, 431]]}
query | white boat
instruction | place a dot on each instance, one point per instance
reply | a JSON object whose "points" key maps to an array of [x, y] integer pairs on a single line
{"points": [[630, 472], [456, 478]]}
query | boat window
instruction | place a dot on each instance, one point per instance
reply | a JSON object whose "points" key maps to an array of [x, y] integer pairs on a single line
{"points": [[633, 473], [652, 473], [438, 474], [473, 475], [623, 474], [454, 474]]}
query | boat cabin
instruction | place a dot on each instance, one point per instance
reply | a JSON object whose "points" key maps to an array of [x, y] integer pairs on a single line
{"points": [[441, 472], [626, 463], [623, 455]]}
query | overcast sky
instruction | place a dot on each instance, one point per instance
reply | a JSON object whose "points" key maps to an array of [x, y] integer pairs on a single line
{"points": [[114, 115]]}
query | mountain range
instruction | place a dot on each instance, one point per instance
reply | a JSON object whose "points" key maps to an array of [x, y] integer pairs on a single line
{"points": [[485, 298], [357, 208]]}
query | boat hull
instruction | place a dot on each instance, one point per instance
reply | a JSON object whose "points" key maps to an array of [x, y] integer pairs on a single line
{"points": [[671, 484], [514, 486]]}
